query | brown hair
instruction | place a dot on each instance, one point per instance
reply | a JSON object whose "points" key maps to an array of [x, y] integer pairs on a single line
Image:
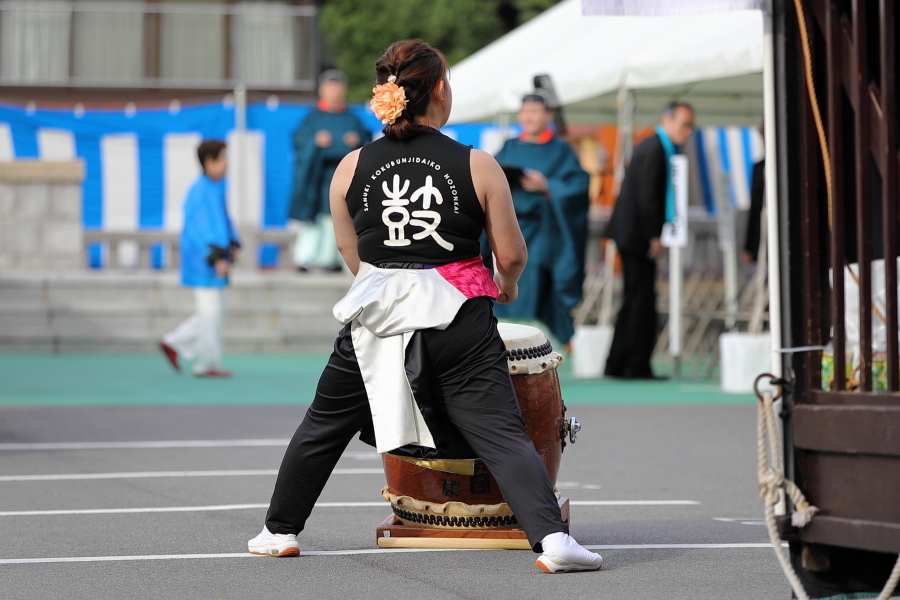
{"points": [[209, 149], [418, 68]]}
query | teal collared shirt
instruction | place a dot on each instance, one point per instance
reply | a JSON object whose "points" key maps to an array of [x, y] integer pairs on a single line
{"points": [[670, 151]]}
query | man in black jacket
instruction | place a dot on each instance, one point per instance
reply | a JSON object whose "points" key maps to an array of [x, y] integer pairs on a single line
{"points": [[635, 226]]}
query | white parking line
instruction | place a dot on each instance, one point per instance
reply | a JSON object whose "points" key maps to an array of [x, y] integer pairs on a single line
{"points": [[71, 559], [680, 546], [171, 509], [747, 521], [156, 474], [576, 485], [147, 444], [633, 502], [221, 507]]}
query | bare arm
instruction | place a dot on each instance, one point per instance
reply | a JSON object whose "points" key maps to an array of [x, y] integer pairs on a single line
{"points": [[343, 222], [501, 225]]}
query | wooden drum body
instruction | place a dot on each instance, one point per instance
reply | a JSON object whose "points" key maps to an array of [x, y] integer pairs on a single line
{"points": [[470, 497]]}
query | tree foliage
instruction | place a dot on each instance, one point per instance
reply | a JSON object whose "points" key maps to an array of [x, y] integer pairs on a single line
{"points": [[358, 32]]}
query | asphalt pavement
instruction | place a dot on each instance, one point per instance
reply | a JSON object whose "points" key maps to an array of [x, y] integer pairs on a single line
{"points": [[159, 501]]}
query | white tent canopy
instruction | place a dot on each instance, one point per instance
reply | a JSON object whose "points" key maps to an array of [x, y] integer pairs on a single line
{"points": [[591, 56]]}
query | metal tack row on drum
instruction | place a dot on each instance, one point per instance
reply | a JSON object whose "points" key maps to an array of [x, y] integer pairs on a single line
{"points": [[435, 498]]}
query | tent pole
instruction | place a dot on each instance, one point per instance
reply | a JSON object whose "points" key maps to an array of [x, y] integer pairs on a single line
{"points": [[674, 235], [243, 223], [771, 190], [503, 122], [676, 283], [624, 134], [240, 130], [772, 211]]}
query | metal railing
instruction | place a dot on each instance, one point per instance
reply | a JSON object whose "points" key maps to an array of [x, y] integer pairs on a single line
{"points": [[133, 250]]}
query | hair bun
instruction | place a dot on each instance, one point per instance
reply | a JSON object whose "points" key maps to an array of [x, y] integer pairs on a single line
{"points": [[423, 67]]}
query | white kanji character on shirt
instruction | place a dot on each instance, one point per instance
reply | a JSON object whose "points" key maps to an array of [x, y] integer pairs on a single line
{"points": [[395, 204], [396, 233], [426, 192], [429, 229], [395, 196]]}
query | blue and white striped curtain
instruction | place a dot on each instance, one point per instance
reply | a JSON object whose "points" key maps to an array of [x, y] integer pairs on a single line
{"points": [[140, 164], [721, 162]]}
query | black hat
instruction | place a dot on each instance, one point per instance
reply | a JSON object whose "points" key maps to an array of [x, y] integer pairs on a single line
{"points": [[540, 96], [333, 75]]}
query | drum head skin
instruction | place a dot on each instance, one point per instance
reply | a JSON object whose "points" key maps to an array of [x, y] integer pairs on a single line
{"points": [[517, 336], [528, 350]]}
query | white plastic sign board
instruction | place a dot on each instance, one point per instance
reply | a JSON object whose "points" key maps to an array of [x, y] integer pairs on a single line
{"points": [[675, 234]]}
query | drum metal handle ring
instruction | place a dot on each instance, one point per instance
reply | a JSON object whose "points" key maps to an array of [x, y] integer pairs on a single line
{"points": [[569, 428]]}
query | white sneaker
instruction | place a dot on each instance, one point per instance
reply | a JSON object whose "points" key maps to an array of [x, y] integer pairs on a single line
{"points": [[274, 544], [562, 554]]}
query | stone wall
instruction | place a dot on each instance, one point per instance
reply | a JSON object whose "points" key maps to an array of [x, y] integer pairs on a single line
{"points": [[40, 215]]}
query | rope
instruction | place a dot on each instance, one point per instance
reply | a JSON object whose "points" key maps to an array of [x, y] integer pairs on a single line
{"points": [[770, 470], [814, 101], [891, 583]]}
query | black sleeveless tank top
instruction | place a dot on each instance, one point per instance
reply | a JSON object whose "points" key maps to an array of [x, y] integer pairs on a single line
{"points": [[414, 201]]}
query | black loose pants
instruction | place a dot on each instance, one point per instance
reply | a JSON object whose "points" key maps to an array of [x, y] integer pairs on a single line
{"points": [[471, 384], [637, 323]]}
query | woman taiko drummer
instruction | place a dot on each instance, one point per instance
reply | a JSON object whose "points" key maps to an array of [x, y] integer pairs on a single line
{"points": [[408, 211]]}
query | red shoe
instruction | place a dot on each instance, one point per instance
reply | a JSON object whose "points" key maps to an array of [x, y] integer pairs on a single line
{"points": [[171, 355], [214, 373]]}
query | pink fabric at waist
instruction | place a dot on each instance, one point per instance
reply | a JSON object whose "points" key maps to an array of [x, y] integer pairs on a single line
{"points": [[470, 277]]}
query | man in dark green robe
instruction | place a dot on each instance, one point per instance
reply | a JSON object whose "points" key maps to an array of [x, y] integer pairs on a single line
{"points": [[551, 202], [327, 134]]}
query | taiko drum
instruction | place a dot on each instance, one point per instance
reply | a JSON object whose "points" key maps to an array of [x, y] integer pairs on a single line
{"points": [[428, 497]]}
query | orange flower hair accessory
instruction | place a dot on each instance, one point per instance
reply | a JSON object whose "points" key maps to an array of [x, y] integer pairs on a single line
{"points": [[389, 101]]}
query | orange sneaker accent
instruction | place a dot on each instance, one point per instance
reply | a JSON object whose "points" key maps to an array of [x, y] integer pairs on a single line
{"points": [[283, 553]]}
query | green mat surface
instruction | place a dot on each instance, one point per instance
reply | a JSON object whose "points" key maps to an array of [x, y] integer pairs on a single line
{"points": [[96, 379]]}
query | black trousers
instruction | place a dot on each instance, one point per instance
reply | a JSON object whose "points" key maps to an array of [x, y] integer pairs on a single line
{"points": [[471, 385], [637, 323]]}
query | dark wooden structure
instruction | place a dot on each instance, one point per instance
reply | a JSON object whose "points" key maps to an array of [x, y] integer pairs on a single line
{"points": [[842, 437]]}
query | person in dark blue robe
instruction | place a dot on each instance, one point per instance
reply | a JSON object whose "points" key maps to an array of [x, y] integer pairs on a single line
{"points": [[324, 137], [550, 194]]}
